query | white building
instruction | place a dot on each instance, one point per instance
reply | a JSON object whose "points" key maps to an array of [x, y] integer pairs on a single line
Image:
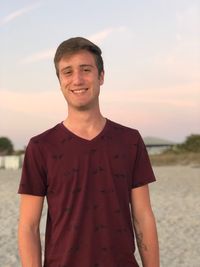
{"points": [[13, 162]]}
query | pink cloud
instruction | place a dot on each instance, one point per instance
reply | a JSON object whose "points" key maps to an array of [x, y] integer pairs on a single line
{"points": [[168, 112]]}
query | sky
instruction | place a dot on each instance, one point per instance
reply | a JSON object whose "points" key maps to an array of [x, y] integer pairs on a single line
{"points": [[151, 52]]}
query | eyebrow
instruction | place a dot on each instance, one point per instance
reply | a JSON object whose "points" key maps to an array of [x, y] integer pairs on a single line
{"points": [[87, 65]]}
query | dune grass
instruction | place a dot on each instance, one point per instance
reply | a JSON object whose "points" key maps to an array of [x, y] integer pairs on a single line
{"points": [[172, 158]]}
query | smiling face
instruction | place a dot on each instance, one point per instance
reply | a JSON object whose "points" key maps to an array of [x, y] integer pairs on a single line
{"points": [[79, 80]]}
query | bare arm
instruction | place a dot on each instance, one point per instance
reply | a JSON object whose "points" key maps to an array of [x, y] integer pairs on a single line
{"points": [[28, 230], [145, 227]]}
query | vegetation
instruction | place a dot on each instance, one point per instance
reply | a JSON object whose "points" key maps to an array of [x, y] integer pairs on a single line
{"points": [[186, 153], [19, 152], [6, 146], [192, 144], [184, 158]]}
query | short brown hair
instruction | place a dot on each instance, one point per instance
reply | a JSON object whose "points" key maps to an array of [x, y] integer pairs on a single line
{"points": [[76, 44]]}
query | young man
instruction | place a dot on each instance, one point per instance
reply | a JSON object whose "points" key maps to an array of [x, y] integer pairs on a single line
{"points": [[94, 174]]}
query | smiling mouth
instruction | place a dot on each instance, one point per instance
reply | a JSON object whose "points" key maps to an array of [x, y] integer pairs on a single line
{"points": [[79, 91]]}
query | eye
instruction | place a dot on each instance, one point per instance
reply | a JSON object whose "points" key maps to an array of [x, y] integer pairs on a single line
{"points": [[67, 72], [86, 69]]}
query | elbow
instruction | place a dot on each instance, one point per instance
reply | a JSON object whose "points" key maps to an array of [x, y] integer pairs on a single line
{"points": [[28, 228], [144, 217]]}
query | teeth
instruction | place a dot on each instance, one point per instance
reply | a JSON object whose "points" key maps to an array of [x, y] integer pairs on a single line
{"points": [[79, 91]]}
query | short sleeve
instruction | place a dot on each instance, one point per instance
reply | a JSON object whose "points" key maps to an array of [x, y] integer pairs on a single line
{"points": [[142, 171], [33, 178]]}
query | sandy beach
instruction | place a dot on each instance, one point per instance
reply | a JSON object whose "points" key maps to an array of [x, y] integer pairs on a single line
{"points": [[175, 200]]}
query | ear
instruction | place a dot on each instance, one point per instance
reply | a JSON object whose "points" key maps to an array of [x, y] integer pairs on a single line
{"points": [[101, 78]]}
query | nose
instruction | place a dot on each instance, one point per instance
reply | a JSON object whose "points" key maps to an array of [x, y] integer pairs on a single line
{"points": [[77, 78]]}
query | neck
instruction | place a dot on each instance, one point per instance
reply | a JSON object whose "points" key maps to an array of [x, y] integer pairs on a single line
{"points": [[87, 120]]}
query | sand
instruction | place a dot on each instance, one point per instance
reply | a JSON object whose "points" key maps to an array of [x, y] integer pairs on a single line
{"points": [[175, 200]]}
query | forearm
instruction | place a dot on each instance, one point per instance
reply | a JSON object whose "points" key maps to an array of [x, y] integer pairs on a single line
{"points": [[147, 240], [29, 247]]}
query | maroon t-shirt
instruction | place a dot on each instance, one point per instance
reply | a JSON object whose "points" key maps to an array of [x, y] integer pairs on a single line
{"points": [[88, 189]]}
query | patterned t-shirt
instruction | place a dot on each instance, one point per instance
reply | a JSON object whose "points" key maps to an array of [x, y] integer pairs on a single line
{"points": [[87, 184]]}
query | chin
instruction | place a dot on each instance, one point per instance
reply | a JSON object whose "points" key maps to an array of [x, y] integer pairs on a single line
{"points": [[85, 106]]}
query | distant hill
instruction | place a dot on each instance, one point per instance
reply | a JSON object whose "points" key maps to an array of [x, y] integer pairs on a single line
{"points": [[149, 140]]}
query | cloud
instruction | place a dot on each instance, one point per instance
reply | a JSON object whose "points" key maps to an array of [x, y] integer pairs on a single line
{"points": [[183, 97], [18, 13], [46, 54], [98, 38], [32, 103], [166, 112]]}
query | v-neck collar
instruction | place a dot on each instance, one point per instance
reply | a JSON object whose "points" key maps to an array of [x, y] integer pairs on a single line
{"points": [[77, 137]]}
